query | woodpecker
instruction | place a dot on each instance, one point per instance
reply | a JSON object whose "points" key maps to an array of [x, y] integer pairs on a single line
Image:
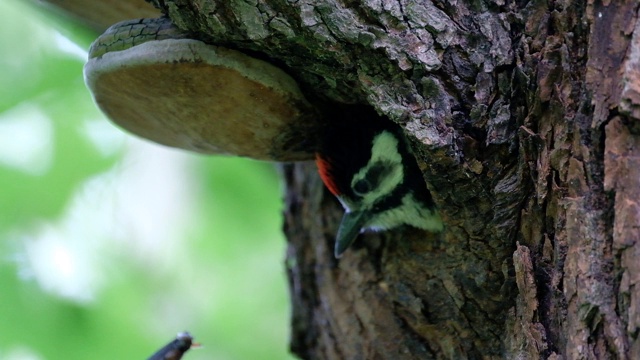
{"points": [[371, 169]]}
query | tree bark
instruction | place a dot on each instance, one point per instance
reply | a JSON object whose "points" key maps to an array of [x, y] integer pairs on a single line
{"points": [[522, 116]]}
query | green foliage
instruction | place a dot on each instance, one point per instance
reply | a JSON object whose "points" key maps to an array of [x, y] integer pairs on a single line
{"points": [[110, 245]]}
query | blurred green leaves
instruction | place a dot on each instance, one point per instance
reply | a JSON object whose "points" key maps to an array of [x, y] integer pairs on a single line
{"points": [[110, 245]]}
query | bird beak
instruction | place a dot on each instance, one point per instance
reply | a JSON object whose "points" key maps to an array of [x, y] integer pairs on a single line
{"points": [[349, 229]]}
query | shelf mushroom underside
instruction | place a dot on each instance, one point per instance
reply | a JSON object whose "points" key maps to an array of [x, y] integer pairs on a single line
{"points": [[187, 94]]}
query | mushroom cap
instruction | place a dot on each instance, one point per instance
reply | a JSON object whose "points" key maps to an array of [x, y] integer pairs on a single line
{"points": [[195, 96], [99, 15]]}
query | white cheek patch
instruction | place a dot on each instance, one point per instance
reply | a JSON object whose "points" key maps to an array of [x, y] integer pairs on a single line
{"points": [[384, 151], [410, 213]]}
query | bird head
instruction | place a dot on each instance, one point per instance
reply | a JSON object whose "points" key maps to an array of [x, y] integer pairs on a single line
{"points": [[370, 169]]}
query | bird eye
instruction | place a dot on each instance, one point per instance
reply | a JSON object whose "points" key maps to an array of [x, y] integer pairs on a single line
{"points": [[361, 187], [371, 179]]}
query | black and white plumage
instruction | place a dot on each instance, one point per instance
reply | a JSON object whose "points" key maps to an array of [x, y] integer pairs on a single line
{"points": [[370, 168]]}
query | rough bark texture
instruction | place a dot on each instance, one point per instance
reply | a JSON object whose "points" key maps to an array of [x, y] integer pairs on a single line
{"points": [[523, 116]]}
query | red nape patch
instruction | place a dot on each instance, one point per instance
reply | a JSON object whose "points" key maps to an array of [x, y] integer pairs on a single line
{"points": [[324, 168]]}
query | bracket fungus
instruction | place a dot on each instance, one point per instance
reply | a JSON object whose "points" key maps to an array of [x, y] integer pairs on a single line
{"points": [[99, 15], [152, 80]]}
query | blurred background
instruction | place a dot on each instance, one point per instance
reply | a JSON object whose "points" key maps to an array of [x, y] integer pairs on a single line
{"points": [[110, 245]]}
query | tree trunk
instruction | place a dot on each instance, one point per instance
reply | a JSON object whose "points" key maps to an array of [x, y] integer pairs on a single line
{"points": [[522, 117]]}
